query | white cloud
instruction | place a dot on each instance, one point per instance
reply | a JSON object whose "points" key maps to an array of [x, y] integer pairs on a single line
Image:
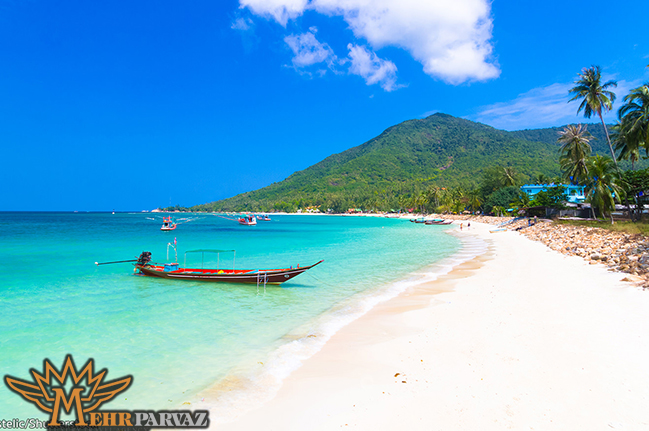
{"points": [[242, 24], [373, 69], [280, 10], [451, 39], [546, 107], [539, 107], [307, 50]]}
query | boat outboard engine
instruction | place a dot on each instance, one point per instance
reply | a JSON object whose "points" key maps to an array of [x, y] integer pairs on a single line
{"points": [[144, 258]]}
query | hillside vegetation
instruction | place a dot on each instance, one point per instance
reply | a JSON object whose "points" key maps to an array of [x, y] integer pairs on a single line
{"points": [[598, 143], [440, 150]]}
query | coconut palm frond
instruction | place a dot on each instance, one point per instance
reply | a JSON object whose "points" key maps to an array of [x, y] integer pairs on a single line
{"points": [[596, 98]]}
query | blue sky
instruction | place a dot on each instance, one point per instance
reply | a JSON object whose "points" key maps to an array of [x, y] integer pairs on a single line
{"points": [[135, 105]]}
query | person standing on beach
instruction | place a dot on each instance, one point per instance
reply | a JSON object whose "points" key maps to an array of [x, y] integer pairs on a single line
{"points": [[461, 224], [468, 226]]}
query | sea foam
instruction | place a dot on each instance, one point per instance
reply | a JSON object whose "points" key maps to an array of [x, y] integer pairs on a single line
{"points": [[245, 390]]}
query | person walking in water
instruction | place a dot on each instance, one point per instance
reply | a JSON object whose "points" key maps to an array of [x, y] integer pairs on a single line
{"points": [[461, 224]]}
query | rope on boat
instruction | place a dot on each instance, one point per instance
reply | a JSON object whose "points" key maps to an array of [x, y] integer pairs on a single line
{"points": [[318, 280], [227, 218], [117, 261]]}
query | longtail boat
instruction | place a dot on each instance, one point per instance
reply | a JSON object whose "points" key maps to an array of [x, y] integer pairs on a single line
{"points": [[437, 221], [173, 271]]}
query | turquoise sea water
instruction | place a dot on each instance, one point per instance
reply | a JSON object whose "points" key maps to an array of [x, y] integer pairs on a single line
{"points": [[178, 339]]}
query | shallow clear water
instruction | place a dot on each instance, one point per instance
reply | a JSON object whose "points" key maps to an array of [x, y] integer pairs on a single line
{"points": [[178, 338]]}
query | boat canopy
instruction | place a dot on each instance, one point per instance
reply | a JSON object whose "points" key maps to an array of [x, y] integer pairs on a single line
{"points": [[207, 250], [211, 250]]}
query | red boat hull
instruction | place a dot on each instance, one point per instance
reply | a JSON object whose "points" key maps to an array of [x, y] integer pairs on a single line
{"points": [[270, 276]]}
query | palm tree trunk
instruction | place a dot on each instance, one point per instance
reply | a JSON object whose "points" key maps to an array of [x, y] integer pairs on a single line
{"points": [[610, 146], [608, 139]]}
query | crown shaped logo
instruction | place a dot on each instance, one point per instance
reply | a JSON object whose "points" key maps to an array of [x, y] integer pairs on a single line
{"points": [[48, 389]]}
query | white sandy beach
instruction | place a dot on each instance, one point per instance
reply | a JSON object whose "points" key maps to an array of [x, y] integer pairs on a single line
{"points": [[521, 338]]}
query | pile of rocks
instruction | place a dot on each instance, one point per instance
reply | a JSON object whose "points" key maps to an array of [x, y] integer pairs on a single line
{"points": [[520, 224], [619, 251]]}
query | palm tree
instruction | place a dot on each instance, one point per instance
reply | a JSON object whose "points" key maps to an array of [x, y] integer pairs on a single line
{"points": [[634, 118], [575, 150], [603, 185], [633, 131], [435, 197], [498, 211], [402, 202], [542, 179], [420, 201], [457, 200], [475, 201], [596, 98], [444, 199], [521, 204], [627, 147], [509, 176]]}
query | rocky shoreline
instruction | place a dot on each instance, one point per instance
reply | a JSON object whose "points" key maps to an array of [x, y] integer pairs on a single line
{"points": [[621, 252]]}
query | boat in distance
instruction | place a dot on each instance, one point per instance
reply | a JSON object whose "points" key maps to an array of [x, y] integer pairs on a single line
{"points": [[248, 221], [435, 221], [167, 224], [438, 222], [174, 271]]}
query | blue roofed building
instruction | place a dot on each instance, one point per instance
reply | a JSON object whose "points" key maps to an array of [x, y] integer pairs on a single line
{"points": [[574, 194]]}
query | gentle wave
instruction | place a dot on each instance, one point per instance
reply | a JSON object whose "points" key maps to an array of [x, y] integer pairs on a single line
{"points": [[239, 393], [177, 339]]}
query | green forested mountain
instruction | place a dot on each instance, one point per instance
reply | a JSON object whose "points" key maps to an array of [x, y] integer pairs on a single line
{"points": [[439, 150], [405, 159], [598, 144], [550, 135]]}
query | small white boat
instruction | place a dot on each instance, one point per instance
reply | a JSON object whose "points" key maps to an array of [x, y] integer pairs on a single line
{"points": [[248, 221], [168, 224]]}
